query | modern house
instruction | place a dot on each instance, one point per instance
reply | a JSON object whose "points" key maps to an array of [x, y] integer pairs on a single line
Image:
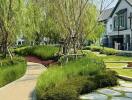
{"points": [[118, 23]]}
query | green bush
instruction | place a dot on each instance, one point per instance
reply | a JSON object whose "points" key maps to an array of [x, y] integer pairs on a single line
{"points": [[60, 93], [96, 48], [105, 79], [44, 51], [109, 51], [82, 84], [69, 89], [23, 51], [87, 48], [12, 71], [79, 75]]}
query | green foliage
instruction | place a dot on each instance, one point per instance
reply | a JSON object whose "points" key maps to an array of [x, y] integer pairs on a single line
{"points": [[96, 48], [103, 50], [76, 75], [82, 84], [11, 71], [96, 33], [69, 89], [12, 18], [107, 78], [109, 51], [44, 51], [23, 51], [63, 92]]}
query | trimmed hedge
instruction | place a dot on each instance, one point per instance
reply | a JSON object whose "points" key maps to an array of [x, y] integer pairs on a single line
{"points": [[44, 51], [67, 82], [11, 70], [103, 50], [109, 51]]}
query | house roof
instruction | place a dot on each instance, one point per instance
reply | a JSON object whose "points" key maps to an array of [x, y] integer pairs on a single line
{"points": [[105, 14], [109, 12], [128, 1]]}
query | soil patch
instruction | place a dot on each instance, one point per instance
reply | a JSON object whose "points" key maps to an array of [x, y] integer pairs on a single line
{"points": [[40, 61]]}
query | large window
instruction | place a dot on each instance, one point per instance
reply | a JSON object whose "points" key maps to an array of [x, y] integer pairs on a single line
{"points": [[120, 21]]}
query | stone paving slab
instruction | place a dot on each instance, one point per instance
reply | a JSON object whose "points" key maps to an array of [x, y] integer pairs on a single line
{"points": [[94, 96], [123, 92], [121, 98], [109, 92], [124, 89], [23, 88], [129, 95]]}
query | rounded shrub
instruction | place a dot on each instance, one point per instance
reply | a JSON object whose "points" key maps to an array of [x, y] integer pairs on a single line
{"points": [[60, 93], [87, 48], [109, 51], [96, 48], [105, 79], [82, 84]]}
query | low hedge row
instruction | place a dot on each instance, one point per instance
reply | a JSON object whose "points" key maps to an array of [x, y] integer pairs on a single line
{"points": [[103, 50], [11, 70], [44, 51], [67, 82]]}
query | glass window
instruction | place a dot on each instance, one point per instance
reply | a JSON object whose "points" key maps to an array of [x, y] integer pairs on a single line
{"points": [[120, 21], [111, 26]]}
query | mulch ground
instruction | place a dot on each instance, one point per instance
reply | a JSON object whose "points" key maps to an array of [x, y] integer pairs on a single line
{"points": [[40, 61]]}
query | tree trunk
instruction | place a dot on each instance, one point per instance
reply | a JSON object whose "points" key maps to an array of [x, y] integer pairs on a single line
{"points": [[4, 44]]}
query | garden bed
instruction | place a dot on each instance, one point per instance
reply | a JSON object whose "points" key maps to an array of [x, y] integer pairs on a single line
{"points": [[68, 81], [40, 61], [11, 70], [44, 52]]}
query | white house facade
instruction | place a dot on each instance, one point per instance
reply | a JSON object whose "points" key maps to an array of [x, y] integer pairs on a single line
{"points": [[119, 25]]}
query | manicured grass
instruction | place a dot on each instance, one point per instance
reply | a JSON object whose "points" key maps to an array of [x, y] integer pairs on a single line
{"points": [[115, 65], [125, 72], [11, 70], [117, 58], [68, 81], [118, 67]]}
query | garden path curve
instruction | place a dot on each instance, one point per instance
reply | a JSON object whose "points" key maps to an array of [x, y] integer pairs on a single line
{"points": [[23, 88]]}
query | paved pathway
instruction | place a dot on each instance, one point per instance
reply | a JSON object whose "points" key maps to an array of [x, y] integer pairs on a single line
{"points": [[122, 92], [23, 89]]}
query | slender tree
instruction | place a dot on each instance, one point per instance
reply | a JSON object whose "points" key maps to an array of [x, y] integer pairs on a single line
{"points": [[11, 16]]}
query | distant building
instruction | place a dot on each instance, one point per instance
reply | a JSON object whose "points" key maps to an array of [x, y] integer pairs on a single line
{"points": [[118, 24]]}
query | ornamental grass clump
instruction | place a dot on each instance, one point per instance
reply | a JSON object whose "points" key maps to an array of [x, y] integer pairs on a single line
{"points": [[43, 51], [68, 81], [11, 70]]}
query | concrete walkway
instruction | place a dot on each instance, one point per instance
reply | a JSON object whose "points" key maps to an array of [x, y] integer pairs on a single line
{"points": [[23, 89]]}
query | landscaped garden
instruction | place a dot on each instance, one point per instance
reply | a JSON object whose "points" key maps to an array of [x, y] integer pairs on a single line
{"points": [[113, 60], [44, 52], [10, 70], [46, 38], [70, 80]]}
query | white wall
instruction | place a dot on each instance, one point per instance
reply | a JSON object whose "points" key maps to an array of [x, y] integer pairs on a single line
{"points": [[109, 22], [122, 5]]}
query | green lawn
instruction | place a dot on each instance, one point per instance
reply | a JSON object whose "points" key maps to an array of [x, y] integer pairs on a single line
{"points": [[116, 58], [118, 67], [125, 72]]}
